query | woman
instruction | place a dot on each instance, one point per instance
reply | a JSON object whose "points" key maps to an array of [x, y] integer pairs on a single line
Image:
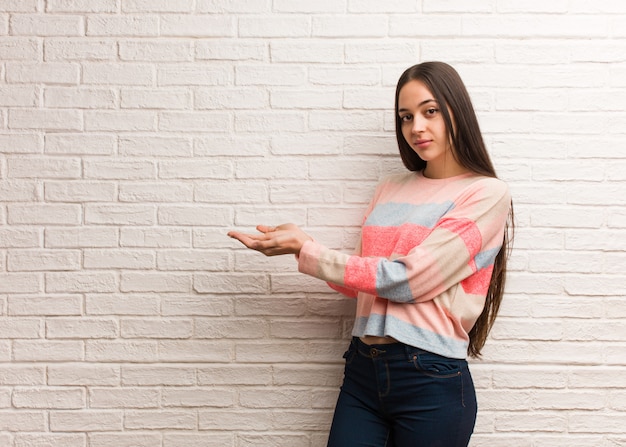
{"points": [[428, 274]]}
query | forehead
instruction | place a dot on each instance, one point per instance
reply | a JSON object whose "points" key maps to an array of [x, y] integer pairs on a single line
{"points": [[414, 93]]}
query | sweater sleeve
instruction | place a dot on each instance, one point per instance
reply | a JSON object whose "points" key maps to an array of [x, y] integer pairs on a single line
{"points": [[460, 248]]}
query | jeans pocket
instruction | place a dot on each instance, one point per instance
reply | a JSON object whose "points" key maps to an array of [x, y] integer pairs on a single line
{"points": [[437, 366], [350, 354]]}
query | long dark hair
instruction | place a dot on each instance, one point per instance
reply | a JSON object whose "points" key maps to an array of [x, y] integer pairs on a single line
{"points": [[469, 151]]}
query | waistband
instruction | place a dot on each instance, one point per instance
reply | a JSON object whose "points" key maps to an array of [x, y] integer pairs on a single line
{"points": [[388, 350]]}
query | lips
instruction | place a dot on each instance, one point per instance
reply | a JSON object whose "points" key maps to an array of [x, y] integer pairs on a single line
{"points": [[422, 144]]}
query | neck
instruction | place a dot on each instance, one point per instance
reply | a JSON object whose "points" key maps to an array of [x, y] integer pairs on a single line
{"points": [[441, 172]]}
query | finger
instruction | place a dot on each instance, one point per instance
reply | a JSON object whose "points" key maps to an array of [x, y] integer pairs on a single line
{"points": [[265, 228]]}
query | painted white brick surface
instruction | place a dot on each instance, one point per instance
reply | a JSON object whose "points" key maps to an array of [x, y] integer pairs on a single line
{"points": [[135, 133]]}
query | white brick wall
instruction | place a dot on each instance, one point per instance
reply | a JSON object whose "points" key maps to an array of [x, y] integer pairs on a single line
{"points": [[135, 133]]}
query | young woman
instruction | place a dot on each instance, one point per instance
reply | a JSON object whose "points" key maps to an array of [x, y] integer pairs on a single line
{"points": [[428, 274]]}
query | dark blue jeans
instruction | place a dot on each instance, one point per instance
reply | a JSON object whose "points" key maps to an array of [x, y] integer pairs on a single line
{"points": [[399, 396]]}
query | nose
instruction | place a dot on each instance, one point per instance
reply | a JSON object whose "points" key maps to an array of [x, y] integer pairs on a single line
{"points": [[419, 125]]}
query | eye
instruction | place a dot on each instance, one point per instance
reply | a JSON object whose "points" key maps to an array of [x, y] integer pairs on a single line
{"points": [[432, 111], [406, 118]]}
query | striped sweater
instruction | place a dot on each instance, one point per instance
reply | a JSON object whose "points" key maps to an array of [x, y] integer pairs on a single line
{"points": [[424, 261]]}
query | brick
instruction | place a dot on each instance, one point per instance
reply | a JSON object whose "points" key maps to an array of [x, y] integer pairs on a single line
{"points": [[231, 192], [175, 25], [49, 440], [277, 439], [103, 74], [52, 351], [130, 25], [50, 120], [120, 214], [23, 421], [127, 121], [28, 143], [44, 167], [194, 215], [81, 282], [231, 419], [290, 352], [234, 375], [85, 421], [159, 420], [83, 375], [284, 75], [44, 214], [77, 191], [82, 98], [239, 328], [81, 144], [198, 398], [344, 76], [380, 53], [217, 145], [43, 260], [46, 73], [19, 6], [80, 237], [211, 261], [22, 49], [226, 49], [276, 398], [156, 99], [155, 237], [119, 170], [158, 375], [120, 351], [208, 439], [22, 375], [138, 6], [302, 6], [194, 121], [219, 99], [275, 26], [155, 282], [49, 398], [283, 168], [124, 398], [193, 305], [108, 6], [82, 328], [227, 6], [79, 49], [306, 99], [195, 169], [349, 26], [308, 51], [155, 192], [19, 191], [126, 439], [156, 51], [121, 304], [194, 351], [155, 329], [308, 375], [144, 146], [306, 329], [46, 25], [18, 96]]}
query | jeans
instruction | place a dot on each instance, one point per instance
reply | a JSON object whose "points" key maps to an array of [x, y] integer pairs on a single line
{"points": [[395, 395]]}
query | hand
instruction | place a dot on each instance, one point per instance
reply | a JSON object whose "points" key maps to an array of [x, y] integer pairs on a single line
{"points": [[281, 240]]}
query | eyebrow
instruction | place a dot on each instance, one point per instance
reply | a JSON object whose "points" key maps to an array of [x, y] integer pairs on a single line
{"points": [[426, 101]]}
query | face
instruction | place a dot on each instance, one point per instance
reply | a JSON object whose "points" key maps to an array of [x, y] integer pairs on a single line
{"points": [[425, 131]]}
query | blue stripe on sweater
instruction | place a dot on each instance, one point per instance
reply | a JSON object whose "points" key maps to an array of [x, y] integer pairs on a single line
{"points": [[381, 326], [395, 214], [392, 282]]}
